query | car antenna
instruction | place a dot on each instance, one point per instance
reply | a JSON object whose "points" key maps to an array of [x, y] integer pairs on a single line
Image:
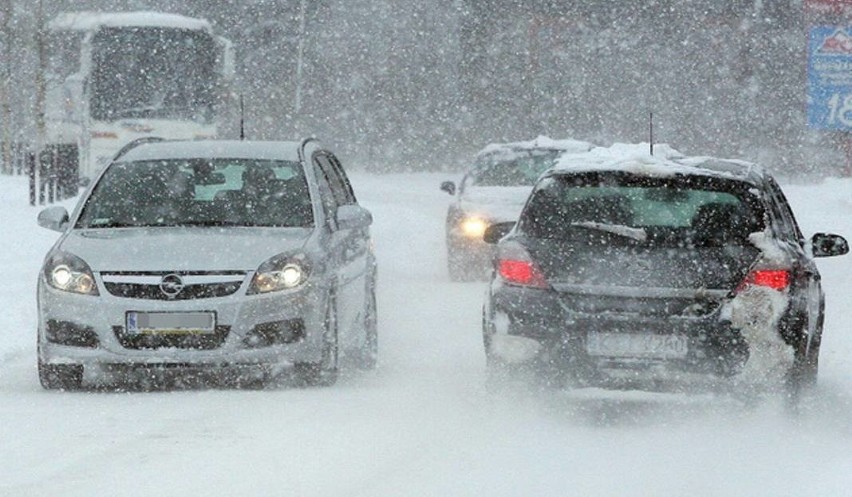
{"points": [[651, 130], [242, 119]]}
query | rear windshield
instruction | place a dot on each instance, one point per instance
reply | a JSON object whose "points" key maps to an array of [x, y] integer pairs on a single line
{"points": [[200, 192], [673, 211]]}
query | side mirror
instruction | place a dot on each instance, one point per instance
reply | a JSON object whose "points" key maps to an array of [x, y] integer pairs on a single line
{"points": [[828, 245], [53, 218], [353, 217], [495, 232], [449, 187]]}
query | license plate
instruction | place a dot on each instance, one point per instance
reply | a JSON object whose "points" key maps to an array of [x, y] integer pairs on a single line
{"points": [[638, 345], [170, 323]]}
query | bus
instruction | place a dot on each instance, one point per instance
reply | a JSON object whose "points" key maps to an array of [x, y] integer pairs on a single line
{"points": [[111, 78]]}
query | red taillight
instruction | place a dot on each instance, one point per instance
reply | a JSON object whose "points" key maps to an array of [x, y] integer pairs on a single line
{"points": [[776, 279], [521, 273]]}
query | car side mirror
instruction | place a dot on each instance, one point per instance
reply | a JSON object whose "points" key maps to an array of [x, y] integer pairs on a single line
{"points": [[353, 217], [449, 187], [495, 232], [828, 245], [53, 218]]}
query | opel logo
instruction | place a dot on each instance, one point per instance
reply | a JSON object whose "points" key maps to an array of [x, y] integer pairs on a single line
{"points": [[171, 285]]}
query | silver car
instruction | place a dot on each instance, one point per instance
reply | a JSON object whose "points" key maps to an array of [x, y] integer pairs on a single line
{"points": [[244, 257]]}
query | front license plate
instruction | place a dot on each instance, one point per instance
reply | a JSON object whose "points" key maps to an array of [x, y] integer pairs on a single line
{"points": [[639, 345], [170, 323]]}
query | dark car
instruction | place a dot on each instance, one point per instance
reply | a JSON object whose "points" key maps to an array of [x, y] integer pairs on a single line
{"points": [[492, 191], [625, 266], [209, 256]]}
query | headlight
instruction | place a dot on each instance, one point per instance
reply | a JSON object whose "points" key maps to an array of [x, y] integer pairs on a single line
{"points": [[69, 273], [282, 272], [473, 227]]}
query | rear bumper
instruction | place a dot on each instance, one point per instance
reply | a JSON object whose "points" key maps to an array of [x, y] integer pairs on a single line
{"points": [[535, 327]]}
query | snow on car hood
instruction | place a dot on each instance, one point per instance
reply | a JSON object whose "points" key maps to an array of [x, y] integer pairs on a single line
{"points": [[181, 249], [497, 203]]}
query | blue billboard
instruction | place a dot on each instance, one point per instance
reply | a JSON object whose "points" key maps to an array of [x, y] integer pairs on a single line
{"points": [[830, 78]]}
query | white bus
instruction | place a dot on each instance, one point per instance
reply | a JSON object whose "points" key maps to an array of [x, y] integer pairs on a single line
{"points": [[114, 77]]}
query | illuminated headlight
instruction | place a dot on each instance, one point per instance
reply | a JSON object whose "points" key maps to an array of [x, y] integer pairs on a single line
{"points": [[473, 227], [282, 272], [69, 273]]}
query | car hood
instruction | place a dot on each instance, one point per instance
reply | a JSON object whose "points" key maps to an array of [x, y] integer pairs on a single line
{"points": [[498, 204], [181, 249]]}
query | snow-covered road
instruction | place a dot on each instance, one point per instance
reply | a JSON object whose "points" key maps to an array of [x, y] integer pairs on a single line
{"points": [[422, 424]]}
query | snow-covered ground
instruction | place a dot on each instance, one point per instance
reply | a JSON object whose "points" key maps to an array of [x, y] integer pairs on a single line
{"points": [[422, 424]]}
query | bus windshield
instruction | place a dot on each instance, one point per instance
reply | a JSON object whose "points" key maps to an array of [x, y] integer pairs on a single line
{"points": [[153, 73]]}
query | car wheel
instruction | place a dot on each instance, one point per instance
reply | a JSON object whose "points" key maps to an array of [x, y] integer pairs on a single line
{"points": [[367, 356], [325, 372], [60, 376]]}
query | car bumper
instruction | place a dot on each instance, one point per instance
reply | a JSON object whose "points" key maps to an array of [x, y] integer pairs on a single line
{"points": [[276, 328], [534, 327]]}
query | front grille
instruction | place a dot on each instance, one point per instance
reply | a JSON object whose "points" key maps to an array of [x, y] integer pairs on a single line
{"points": [[189, 292], [147, 286], [149, 341]]}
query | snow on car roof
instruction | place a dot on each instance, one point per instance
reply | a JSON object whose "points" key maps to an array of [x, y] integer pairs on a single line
{"points": [[90, 21], [542, 142], [666, 161], [267, 150]]}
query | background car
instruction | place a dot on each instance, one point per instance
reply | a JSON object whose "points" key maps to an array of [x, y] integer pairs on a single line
{"points": [[628, 266], [492, 191], [240, 257]]}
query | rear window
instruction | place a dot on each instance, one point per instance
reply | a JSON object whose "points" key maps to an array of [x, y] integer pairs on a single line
{"points": [[676, 210]]}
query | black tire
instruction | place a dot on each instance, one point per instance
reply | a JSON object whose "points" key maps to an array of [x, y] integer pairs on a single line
{"points": [[325, 372], [367, 356], [68, 377]]}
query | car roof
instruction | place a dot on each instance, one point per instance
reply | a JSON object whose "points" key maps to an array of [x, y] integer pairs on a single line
{"points": [[666, 161], [204, 149]]}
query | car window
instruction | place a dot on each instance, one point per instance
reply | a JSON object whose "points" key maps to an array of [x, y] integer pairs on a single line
{"points": [[667, 210], [200, 192], [517, 169], [339, 185], [785, 221]]}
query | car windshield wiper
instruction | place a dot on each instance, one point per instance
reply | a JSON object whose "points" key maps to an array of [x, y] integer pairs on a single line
{"points": [[211, 223], [637, 234]]}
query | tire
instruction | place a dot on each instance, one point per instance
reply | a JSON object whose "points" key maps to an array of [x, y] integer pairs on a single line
{"points": [[68, 377], [367, 356], [325, 372]]}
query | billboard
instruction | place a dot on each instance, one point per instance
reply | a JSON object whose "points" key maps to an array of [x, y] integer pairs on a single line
{"points": [[830, 78]]}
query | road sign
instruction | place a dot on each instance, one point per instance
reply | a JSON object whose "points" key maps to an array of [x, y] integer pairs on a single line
{"points": [[830, 78]]}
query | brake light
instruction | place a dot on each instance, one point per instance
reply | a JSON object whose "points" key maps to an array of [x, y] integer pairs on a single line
{"points": [[776, 279], [521, 273]]}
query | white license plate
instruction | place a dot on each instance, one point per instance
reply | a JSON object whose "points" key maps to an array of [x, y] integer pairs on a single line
{"points": [[170, 323], [638, 345]]}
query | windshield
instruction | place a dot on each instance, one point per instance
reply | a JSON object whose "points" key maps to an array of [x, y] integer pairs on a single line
{"points": [[153, 73], [632, 209], [515, 169], [200, 192]]}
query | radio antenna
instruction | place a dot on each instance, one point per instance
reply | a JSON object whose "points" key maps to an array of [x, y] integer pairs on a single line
{"points": [[651, 131], [242, 119]]}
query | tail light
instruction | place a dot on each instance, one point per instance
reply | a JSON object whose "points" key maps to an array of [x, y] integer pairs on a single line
{"points": [[515, 266], [776, 279]]}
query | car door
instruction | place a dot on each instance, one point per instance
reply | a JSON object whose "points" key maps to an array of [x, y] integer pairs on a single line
{"points": [[807, 296], [350, 246]]}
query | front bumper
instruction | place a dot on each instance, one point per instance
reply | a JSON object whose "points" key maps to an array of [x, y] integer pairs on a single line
{"points": [[91, 330]]}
